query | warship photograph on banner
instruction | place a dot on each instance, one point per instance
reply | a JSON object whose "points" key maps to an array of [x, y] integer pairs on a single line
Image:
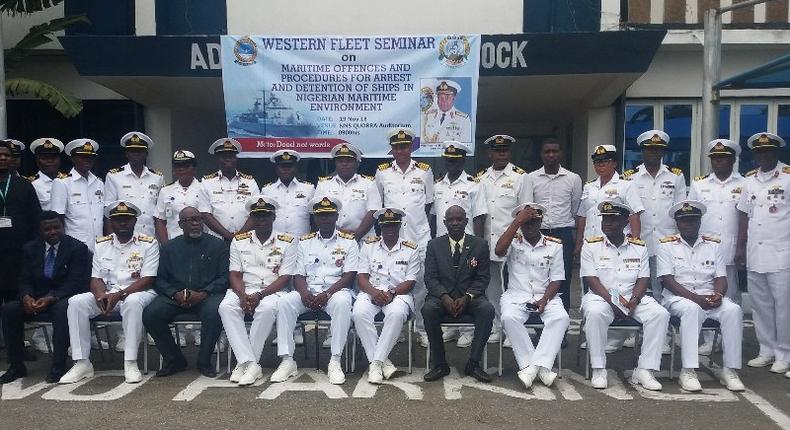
{"points": [[270, 117]]}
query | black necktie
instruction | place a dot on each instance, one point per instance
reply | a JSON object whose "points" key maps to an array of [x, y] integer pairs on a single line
{"points": [[457, 255], [441, 120], [49, 263]]}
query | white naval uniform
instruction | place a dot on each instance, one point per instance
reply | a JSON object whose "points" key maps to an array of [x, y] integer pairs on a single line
{"points": [[387, 269], [438, 126], [766, 200], [504, 190], [260, 264], [172, 199], [119, 265], [464, 192], [617, 189], [322, 262], [358, 196], [721, 219], [225, 198], [530, 270], [619, 268], [81, 202], [123, 184], [293, 216], [695, 267], [43, 186]]}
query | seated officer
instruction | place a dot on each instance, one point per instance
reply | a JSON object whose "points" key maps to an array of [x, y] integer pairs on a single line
{"points": [[326, 266], [124, 270], [54, 268], [694, 273], [617, 272], [192, 278], [536, 270], [261, 264], [388, 269]]}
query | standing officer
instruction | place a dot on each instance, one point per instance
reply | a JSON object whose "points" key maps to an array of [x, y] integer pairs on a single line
{"points": [[326, 266], [224, 193], [693, 271], [79, 195], [135, 182], [763, 238], [357, 193], [262, 262], [446, 122], [388, 269], [124, 270], [616, 270], [505, 186], [17, 148], [558, 190], [292, 194], [183, 192], [47, 152], [536, 271], [407, 185]]}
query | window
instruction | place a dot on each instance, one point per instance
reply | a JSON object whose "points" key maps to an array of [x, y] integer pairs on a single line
{"points": [[638, 119], [674, 118], [753, 119], [783, 130]]}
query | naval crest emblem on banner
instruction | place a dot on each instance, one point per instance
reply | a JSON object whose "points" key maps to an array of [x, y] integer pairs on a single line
{"points": [[245, 51], [454, 50]]}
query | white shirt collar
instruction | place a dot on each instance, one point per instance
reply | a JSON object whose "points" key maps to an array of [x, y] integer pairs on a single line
{"points": [[562, 171]]}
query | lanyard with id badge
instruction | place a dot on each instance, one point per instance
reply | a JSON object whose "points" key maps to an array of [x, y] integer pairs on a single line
{"points": [[5, 221]]}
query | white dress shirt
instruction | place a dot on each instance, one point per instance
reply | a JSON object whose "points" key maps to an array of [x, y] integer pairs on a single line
{"points": [[81, 201], [560, 194], [358, 196], [617, 189], [261, 263], [721, 216], [532, 268], [119, 265], [142, 191], [324, 261], [224, 198], [504, 190], [293, 216], [172, 199], [617, 267], [658, 194], [693, 266], [464, 192], [409, 191]]}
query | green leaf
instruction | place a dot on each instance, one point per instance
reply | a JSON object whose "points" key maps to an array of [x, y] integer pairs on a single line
{"points": [[14, 7], [39, 35], [67, 105]]}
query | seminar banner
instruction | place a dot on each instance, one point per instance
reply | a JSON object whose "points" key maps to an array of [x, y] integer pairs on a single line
{"points": [[309, 93]]}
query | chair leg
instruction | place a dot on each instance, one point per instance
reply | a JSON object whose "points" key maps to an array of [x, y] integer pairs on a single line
{"points": [[47, 338], [587, 363], [145, 354], [559, 364], [229, 351], [672, 344], [485, 357], [317, 347], [637, 342], [98, 342], [409, 331], [501, 336], [428, 359], [304, 336]]}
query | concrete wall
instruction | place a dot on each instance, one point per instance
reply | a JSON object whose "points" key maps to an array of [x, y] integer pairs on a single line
{"points": [[16, 27]]}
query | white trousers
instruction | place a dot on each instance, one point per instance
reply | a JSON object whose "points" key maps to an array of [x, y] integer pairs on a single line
{"points": [[83, 307], [598, 315], [248, 347], [729, 316], [555, 320], [770, 293], [378, 347], [733, 292], [289, 308]]}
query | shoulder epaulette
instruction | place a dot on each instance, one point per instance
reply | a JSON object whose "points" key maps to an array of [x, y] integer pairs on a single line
{"points": [[424, 166], [245, 176], [211, 175], [471, 178], [307, 182], [372, 239], [103, 239], [368, 177], [711, 238], [438, 179], [62, 175], [668, 239], [751, 172], [462, 114], [518, 237], [481, 173], [676, 170], [625, 178], [345, 235], [32, 178], [519, 170], [630, 172], [409, 244], [285, 237], [639, 242], [145, 238], [786, 169], [156, 172], [385, 166], [307, 236], [592, 180], [324, 178], [594, 239], [242, 236], [116, 170], [699, 178], [267, 184], [553, 239]]}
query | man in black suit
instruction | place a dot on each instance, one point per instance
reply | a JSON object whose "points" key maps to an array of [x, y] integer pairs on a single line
{"points": [[54, 267], [456, 276]]}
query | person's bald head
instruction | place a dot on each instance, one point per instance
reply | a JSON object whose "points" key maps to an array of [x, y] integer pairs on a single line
{"points": [[191, 222], [455, 220]]}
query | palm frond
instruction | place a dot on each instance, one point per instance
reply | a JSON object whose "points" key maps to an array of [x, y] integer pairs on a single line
{"points": [[14, 7], [67, 105], [39, 35]]}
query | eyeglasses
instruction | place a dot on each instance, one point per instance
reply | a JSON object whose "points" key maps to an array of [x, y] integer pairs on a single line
{"points": [[190, 220], [601, 162]]}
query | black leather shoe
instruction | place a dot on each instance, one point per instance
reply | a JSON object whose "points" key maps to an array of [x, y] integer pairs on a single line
{"points": [[207, 371], [476, 372], [171, 368], [437, 372], [54, 376], [12, 374]]}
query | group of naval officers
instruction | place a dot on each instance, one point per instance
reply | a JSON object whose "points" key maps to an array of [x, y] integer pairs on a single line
{"points": [[360, 248]]}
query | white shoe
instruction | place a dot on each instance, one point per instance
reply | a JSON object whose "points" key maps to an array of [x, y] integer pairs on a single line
{"points": [[95, 344], [422, 339], [630, 342], [688, 380], [787, 375], [760, 361], [547, 376], [646, 379], [506, 343], [375, 375], [238, 371], [527, 376], [494, 338], [327, 343], [583, 345], [335, 373], [131, 372], [253, 373], [82, 369], [151, 341], [196, 336], [780, 366], [222, 341], [298, 338], [599, 379], [119, 346], [666, 349], [464, 340], [287, 369], [450, 334], [729, 378], [705, 349], [402, 337], [388, 369], [613, 346]]}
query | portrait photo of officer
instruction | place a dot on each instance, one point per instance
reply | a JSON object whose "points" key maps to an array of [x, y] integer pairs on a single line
{"points": [[443, 120]]}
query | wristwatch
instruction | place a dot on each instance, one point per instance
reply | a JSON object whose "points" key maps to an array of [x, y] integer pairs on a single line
{"points": [[471, 296]]}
